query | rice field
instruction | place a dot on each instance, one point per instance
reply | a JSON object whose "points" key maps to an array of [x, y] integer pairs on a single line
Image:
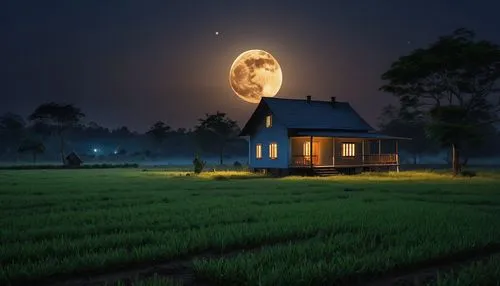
{"points": [[237, 228]]}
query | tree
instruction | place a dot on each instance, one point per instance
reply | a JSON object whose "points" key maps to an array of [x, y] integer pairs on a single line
{"points": [[60, 117], [215, 131], [159, 132], [33, 146], [395, 122], [452, 85], [12, 129]]}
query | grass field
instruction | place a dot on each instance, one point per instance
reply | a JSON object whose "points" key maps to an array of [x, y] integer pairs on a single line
{"points": [[235, 228]]}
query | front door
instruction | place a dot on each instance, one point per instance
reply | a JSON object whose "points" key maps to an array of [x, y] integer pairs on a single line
{"points": [[306, 151]]}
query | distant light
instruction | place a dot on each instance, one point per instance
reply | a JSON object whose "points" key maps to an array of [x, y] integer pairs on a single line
{"points": [[216, 33], [116, 152], [95, 150]]}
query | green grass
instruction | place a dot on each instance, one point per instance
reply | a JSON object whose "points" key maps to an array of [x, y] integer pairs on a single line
{"points": [[151, 281], [486, 272], [55, 222]]}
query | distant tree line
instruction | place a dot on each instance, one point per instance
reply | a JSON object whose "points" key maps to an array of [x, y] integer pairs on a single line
{"points": [[53, 130], [448, 93]]}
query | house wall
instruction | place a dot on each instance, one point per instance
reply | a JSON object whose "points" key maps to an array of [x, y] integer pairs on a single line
{"points": [[277, 133], [325, 151], [356, 160]]}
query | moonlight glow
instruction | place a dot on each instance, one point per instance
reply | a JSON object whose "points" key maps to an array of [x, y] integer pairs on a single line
{"points": [[255, 74]]}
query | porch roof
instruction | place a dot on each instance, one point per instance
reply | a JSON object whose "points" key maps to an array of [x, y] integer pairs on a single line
{"points": [[346, 134]]}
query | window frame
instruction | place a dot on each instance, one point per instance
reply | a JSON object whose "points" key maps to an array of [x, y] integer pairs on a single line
{"points": [[348, 150], [273, 152], [269, 121], [258, 151], [306, 148]]}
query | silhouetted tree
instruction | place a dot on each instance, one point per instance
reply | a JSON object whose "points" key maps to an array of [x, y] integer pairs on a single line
{"points": [[33, 146], [60, 117], [12, 130], [215, 131], [397, 123], [159, 132], [451, 84]]}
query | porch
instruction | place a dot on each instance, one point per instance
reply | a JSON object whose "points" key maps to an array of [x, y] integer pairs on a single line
{"points": [[344, 152]]}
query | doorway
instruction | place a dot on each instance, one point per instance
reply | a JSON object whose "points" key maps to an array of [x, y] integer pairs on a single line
{"points": [[306, 152]]}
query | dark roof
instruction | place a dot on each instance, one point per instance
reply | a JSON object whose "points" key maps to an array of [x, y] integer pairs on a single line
{"points": [[343, 134], [73, 159], [300, 114]]}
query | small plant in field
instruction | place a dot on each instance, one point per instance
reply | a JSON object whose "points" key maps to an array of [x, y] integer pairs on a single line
{"points": [[237, 164], [198, 164], [468, 173]]}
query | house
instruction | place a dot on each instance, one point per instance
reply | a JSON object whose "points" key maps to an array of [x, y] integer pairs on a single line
{"points": [[73, 160], [292, 136]]}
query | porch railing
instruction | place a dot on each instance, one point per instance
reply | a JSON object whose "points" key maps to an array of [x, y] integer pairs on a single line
{"points": [[380, 159], [304, 161], [360, 160]]}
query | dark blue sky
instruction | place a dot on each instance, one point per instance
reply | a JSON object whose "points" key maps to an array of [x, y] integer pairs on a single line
{"points": [[134, 62]]}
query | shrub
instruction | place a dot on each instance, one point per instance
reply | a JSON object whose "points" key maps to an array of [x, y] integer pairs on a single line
{"points": [[198, 164], [237, 164], [468, 173]]}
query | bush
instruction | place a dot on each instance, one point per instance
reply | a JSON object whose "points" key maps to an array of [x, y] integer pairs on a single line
{"points": [[237, 164], [198, 164], [468, 173]]}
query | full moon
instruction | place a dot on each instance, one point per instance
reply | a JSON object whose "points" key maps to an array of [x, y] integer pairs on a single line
{"points": [[255, 74]]}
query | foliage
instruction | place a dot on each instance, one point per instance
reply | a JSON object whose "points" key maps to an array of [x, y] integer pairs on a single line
{"points": [[59, 116], [215, 131], [198, 164], [159, 131], [62, 116], [452, 84], [396, 122], [33, 146], [483, 272], [468, 173], [11, 131], [11, 123], [308, 228]]}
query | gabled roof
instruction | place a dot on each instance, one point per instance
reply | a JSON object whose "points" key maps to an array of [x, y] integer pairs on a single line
{"points": [[301, 114]]}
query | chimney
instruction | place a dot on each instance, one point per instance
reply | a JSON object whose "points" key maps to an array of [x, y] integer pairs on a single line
{"points": [[308, 99], [334, 99]]}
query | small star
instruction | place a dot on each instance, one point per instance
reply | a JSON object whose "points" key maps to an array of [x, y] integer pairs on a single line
{"points": [[217, 33]]}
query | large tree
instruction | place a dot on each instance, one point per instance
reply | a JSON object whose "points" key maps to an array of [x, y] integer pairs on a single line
{"points": [[452, 84], [60, 117], [215, 131]]}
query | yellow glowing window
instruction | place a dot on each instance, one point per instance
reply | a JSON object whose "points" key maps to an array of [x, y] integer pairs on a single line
{"points": [[307, 148], [273, 151], [258, 151], [348, 149], [269, 121]]}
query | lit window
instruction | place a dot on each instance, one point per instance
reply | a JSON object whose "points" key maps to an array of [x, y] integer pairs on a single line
{"points": [[258, 151], [273, 150], [307, 149], [269, 121], [348, 149]]}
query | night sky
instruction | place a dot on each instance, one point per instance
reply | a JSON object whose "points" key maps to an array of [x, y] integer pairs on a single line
{"points": [[135, 62]]}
